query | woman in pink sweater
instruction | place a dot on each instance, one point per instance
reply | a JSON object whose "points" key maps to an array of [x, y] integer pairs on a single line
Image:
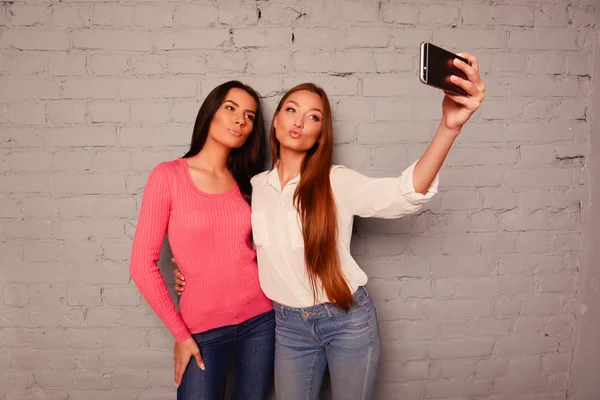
{"points": [[202, 202]]}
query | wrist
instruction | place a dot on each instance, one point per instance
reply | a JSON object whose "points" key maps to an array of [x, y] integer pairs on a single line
{"points": [[183, 337], [445, 130]]}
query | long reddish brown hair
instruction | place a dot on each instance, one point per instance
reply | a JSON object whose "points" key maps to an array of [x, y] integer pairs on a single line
{"points": [[314, 201]]}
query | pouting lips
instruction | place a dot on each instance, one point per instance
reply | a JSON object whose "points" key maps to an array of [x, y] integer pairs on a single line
{"points": [[235, 132], [295, 133]]}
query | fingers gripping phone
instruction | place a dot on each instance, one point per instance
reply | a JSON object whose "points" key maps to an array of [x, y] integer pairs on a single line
{"points": [[436, 66]]}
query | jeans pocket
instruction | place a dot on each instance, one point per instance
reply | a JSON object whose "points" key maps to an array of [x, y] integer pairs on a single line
{"points": [[356, 319]]}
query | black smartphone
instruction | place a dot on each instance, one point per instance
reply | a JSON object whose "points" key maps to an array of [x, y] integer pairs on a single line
{"points": [[436, 66]]}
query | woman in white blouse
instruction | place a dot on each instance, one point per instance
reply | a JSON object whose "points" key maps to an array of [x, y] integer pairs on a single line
{"points": [[302, 214]]}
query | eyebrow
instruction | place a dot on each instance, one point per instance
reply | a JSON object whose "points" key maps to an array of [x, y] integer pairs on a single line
{"points": [[298, 105], [237, 105]]}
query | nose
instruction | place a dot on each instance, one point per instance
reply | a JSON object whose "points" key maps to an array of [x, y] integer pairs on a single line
{"points": [[299, 122], [239, 119]]}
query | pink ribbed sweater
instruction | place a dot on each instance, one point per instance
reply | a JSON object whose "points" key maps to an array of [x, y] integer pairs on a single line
{"points": [[209, 235]]}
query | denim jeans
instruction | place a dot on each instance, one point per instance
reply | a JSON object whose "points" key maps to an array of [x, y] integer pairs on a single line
{"points": [[310, 339], [251, 344]]}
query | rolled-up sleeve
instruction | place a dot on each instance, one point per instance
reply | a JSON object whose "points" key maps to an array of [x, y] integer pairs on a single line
{"points": [[379, 197]]}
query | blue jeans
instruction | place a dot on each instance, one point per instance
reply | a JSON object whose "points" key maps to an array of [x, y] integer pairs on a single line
{"points": [[251, 344], [310, 339]]}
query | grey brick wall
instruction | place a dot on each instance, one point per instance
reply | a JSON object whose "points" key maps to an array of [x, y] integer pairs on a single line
{"points": [[476, 294], [584, 382]]}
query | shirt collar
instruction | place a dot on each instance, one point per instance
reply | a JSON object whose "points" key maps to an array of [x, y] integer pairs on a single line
{"points": [[272, 178]]}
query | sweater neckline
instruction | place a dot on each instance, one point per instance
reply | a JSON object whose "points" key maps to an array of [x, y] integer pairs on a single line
{"points": [[190, 181]]}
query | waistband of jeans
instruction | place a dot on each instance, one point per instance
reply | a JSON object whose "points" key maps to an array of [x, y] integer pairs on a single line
{"points": [[359, 296]]}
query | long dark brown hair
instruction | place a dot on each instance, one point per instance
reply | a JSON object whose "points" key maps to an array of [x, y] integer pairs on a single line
{"points": [[245, 161], [315, 203]]}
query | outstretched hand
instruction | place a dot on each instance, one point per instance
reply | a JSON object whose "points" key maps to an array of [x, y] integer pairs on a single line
{"points": [[456, 109]]}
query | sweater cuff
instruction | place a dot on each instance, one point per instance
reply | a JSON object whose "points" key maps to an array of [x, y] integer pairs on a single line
{"points": [[181, 335]]}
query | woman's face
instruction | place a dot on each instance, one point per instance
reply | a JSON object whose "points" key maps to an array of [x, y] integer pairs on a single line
{"points": [[234, 120], [298, 123]]}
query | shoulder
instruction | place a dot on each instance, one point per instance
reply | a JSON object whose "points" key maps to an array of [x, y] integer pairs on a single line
{"points": [[336, 168], [347, 180], [259, 179], [340, 177], [165, 172], [167, 167], [341, 173]]}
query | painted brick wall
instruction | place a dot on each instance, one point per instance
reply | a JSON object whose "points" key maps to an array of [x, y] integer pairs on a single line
{"points": [[476, 294]]}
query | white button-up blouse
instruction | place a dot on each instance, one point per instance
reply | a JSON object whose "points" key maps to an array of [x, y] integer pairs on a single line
{"points": [[277, 231]]}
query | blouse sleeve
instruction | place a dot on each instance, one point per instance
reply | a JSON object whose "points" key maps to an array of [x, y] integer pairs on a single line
{"points": [[379, 197]]}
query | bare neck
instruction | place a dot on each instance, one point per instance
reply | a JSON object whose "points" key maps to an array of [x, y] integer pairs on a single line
{"points": [[290, 165], [212, 158]]}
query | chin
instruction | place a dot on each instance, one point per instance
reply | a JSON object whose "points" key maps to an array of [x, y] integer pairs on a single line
{"points": [[294, 145], [291, 146], [232, 142]]}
